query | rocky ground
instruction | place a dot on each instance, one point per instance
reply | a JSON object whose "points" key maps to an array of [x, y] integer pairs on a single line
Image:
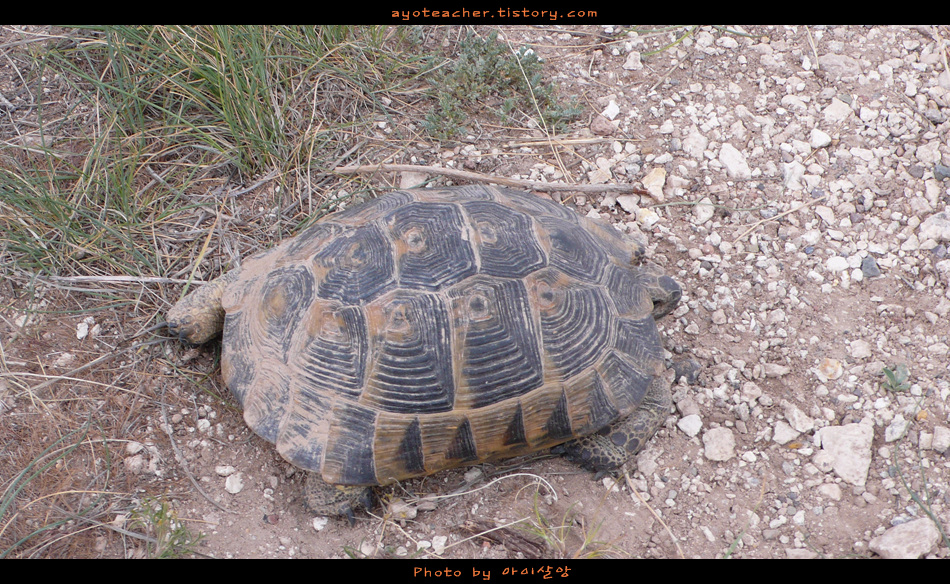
{"points": [[800, 195]]}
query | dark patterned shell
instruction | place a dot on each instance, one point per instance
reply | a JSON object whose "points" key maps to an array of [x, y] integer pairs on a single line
{"points": [[432, 328]]}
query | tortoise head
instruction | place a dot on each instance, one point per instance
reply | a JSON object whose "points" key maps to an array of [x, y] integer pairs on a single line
{"points": [[199, 316]]}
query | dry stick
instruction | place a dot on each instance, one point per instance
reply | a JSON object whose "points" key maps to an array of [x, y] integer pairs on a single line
{"points": [[476, 177], [98, 361], [269, 176], [204, 250], [563, 141], [780, 215], [534, 102], [663, 77], [119, 279], [811, 43], [633, 489], [68, 374], [180, 458]]}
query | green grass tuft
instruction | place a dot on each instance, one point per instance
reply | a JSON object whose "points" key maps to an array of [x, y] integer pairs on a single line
{"points": [[486, 76]]}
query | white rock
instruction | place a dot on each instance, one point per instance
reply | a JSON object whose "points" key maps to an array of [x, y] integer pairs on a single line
{"points": [[719, 444], [928, 153], [818, 139], [783, 433], [775, 370], [794, 103], [798, 419], [633, 62], [910, 89], [438, 544], [369, 549], [829, 369], [823, 461], [690, 425], [610, 483], [850, 448], [647, 217], [629, 203], [319, 523], [703, 211], [599, 176], [734, 162], [695, 144], [811, 237], [911, 243], [653, 182], [837, 111], [826, 214], [837, 264], [939, 349], [402, 511], [830, 491], [895, 430], [800, 553], [234, 484], [727, 42], [135, 464], [860, 349], [840, 65], [792, 174], [936, 227], [867, 114], [906, 541], [941, 439], [65, 360], [611, 111]]}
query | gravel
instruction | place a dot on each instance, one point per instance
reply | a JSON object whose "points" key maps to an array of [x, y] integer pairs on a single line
{"points": [[813, 257], [833, 143]]}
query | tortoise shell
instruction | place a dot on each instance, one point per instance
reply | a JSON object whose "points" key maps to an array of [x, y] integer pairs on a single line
{"points": [[429, 329]]}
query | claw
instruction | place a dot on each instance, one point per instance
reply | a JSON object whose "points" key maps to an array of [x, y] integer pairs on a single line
{"points": [[350, 516]]}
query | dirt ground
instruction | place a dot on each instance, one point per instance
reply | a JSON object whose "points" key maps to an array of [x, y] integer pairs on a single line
{"points": [[787, 342]]}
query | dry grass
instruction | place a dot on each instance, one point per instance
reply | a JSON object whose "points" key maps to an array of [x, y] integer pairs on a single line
{"points": [[133, 159]]}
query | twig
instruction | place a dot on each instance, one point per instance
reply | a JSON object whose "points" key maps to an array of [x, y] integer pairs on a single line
{"points": [[117, 279], [563, 141], [269, 176], [537, 109], [69, 374], [780, 215], [476, 177], [814, 49], [633, 489], [748, 522], [663, 77], [167, 428]]}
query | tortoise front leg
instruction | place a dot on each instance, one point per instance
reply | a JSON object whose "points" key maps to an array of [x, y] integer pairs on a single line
{"points": [[610, 448]]}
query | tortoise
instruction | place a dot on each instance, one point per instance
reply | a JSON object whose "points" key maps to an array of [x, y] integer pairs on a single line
{"points": [[435, 328]]}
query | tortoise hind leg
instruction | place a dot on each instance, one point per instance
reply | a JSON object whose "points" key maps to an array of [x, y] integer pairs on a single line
{"points": [[322, 498], [610, 448]]}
